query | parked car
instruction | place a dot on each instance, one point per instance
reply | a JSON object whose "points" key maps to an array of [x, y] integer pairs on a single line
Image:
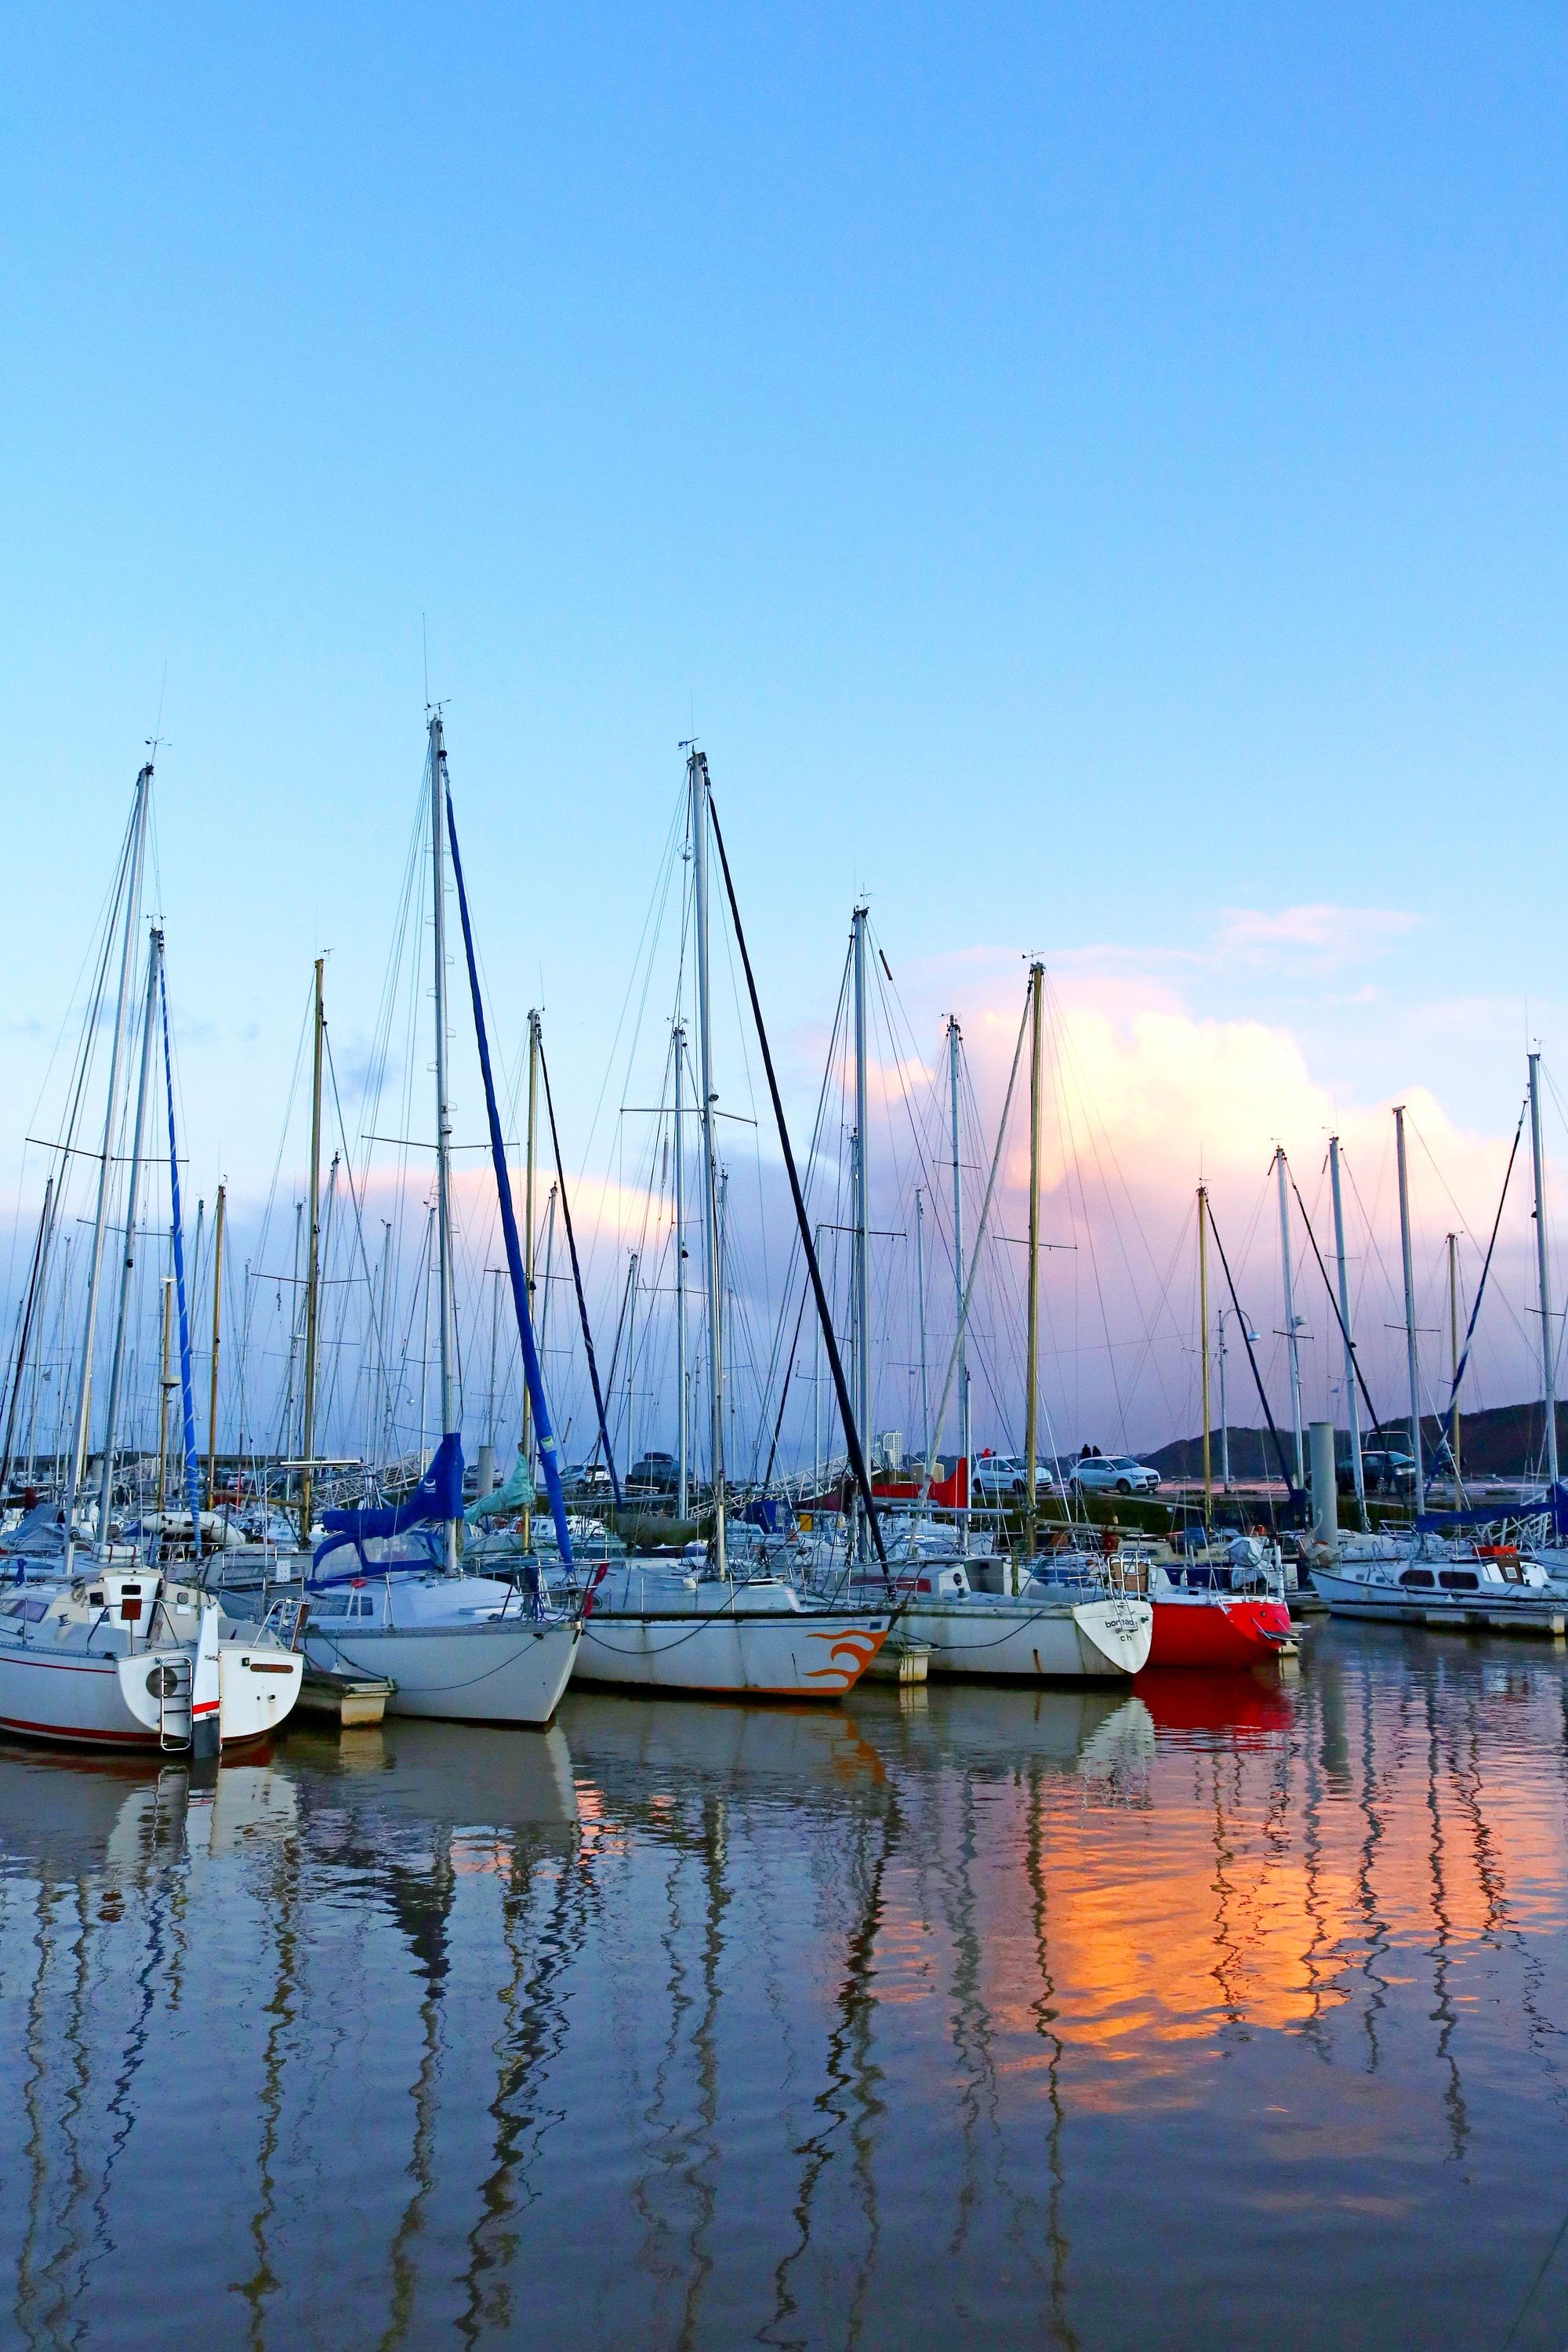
{"points": [[1002, 1476], [660, 1472], [585, 1478], [1386, 1471], [1113, 1474]]}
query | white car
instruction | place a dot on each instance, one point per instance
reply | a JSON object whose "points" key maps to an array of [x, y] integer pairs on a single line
{"points": [[1113, 1474], [1005, 1475]]}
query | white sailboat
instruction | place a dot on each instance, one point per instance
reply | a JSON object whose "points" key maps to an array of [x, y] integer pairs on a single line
{"points": [[471, 1648], [1039, 1631], [714, 1629], [96, 1648]]}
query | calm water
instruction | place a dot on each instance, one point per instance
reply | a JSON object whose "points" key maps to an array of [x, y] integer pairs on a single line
{"points": [[1228, 2011]]}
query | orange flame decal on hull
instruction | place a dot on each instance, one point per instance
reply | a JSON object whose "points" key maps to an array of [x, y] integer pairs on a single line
{"points": [[857, 1645]]}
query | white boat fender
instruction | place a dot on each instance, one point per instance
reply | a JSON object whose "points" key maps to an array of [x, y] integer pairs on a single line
{"points": [[206, 1705]]}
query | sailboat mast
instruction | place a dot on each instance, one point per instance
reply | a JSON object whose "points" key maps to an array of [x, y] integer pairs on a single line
{"points": [[1032, 1357], [920, 1318], [36, 1287], [1410, 1348], [682, 1432], [528, 1179], [312, 1270], [127, 1263], [1357, 1472], [1544, 1276], [135, 847], [217, 1334], [1454, 1365], [1292, 1335], [859, 1272], [1204, 1344], [163, 1387], [442, 1110], [696, 771], [964, 1435]]}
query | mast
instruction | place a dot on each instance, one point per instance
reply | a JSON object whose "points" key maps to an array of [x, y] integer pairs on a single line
{"points": [[218, 1319], [37, 1284], [1357, 1472], [1544, 1276], [1204, 1344], [631, 1358], [134, 850], [964, 1432], [488, 1449], [442, 1110], [921, 1307], [682, 1432], [1032, 1359], [1292, 1334], [1409, 1308], [859, 1270], [1224, 1416], [528, 1247], [312, 1270], [1454, 1364], [696, 771], [164, 1385], [127, 1263]]}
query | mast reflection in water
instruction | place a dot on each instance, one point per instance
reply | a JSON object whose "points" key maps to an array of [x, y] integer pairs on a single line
{"points": [[1216, 2010]]}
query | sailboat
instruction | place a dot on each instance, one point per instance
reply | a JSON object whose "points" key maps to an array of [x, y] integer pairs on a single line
{"points": [[1041, 1629], [96, 1647], [386, 1592], [713, 1627]]}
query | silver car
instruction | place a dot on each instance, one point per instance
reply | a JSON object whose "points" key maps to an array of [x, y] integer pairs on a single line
{"points": [[1113, 1474]]}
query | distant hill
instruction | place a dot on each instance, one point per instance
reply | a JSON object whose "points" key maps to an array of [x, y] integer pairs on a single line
{"points": [[1504, 1442]]}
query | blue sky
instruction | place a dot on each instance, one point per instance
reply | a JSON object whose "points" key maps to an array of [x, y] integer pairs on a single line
{"points": [[1093, 477]]}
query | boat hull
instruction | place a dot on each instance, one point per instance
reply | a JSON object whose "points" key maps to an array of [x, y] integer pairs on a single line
{"points": [[1097, 1641], [1542, 1614], [786, 1654], [1216, 1630], [508, 1671], [109, 1703]]}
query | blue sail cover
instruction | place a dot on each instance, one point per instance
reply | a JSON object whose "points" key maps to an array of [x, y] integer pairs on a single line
{"points": [[1553, 1502], [439, 1497]]}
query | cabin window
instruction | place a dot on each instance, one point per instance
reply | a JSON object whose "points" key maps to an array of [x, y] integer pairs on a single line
{"points": [[1421, 1576], [1459, 1580]]}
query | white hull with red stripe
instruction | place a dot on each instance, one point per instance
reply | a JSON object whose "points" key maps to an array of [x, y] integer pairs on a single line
{"points": [[125, 1660]]}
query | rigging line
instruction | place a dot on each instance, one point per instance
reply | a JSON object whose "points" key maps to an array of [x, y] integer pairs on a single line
{"points": [[1486, 1268], [1292, 1492], [783, 1393], [793, 1261], [378, 1338], [851, 1434], [577, 1276], [973, 1263], [1349, 1344]]}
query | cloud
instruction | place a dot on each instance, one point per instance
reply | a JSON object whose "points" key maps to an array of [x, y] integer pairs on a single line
{"points": [[1327, 934]]}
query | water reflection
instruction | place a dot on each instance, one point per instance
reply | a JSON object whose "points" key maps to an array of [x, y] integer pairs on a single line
{"points": [[1087, 2019]]}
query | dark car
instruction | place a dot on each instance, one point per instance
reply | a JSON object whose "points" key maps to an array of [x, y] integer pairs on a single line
{"points": [[660, 1473], [1386, 1470]]}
